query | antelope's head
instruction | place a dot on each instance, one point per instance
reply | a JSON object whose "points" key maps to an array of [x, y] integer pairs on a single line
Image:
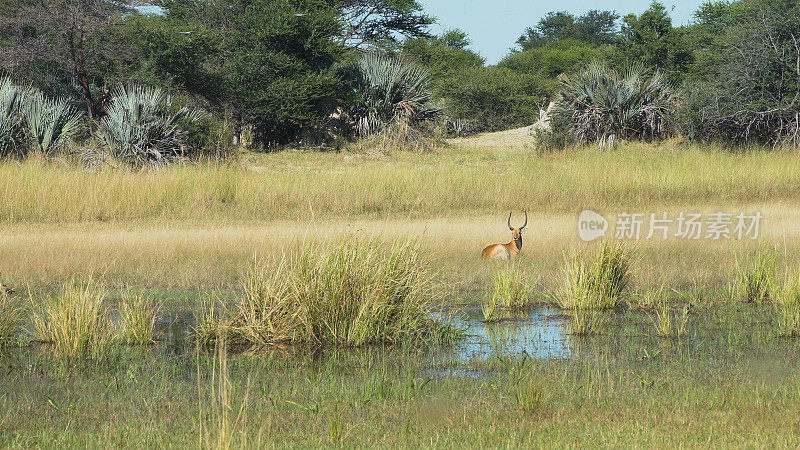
{"points": [[517, 232]]}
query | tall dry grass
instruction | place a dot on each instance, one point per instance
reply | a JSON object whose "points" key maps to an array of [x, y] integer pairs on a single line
{"points": [[455, 180], [75, 322], [344, 294]]}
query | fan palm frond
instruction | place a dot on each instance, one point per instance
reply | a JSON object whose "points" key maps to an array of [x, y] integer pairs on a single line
{"points": [[140, 128], [51, 123]]}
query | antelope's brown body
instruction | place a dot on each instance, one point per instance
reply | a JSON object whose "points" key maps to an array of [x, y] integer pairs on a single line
{"points": [[510, 250]]}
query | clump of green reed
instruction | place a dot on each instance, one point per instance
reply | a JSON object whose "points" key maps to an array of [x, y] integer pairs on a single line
{"points": [[667, 321], [787, 306], [527, 381], [756, 281], [592, 283], [530, 393], [587, 319], [138, 313], [11, 314], [508, 292], [75, 321], [595, 279], [347, 294]]}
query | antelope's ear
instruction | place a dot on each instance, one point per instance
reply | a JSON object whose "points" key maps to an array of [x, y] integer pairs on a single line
{"points": [[522, 230]]}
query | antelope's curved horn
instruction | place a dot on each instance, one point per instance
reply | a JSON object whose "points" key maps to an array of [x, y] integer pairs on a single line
{"points": [[526, 219], [509, 222]]}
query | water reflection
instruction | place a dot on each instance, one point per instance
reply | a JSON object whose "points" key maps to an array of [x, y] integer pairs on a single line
{"points": [[540, 332]]}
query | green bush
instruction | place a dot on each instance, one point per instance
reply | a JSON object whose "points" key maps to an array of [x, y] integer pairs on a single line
{"points": [[494, 98], [601, 104]]}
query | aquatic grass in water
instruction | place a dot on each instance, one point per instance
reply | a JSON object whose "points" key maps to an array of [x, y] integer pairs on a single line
{"points": [[508, 292], [10, 318], [592, 283], [667, 322], [587, 320], [347, 294], [219, 428], [138, 314], [756, 281], [75, 321], [509, 289], [595, 280]]}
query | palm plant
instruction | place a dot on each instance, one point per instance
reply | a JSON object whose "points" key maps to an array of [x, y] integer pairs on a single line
{"points": [[391, 90], [50, 123], [602, 104], [12, 98], [140, 128]]}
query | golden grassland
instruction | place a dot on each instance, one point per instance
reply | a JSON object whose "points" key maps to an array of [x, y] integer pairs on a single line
{"points": [[458, 180], [198, 255], [198, 227]]}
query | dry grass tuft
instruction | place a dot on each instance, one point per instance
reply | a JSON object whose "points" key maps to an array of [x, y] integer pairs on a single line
{"points": [[138, 314], [348, 294], [75, 321]]}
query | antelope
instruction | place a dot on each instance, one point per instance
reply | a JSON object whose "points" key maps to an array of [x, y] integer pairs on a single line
{"points": [[5, 289], [510, 250]]}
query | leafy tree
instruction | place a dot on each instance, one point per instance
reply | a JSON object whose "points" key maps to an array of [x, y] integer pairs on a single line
{"points": [[280, 58], [547, 62], [377, 23], [753, 95], [493, 98], [712, 20], [594, 27], [170, 51], [650, 39], [68, 37], [443, 56]]}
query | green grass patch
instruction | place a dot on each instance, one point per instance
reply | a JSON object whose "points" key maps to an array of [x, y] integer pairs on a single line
{"points": [[756, 281]]}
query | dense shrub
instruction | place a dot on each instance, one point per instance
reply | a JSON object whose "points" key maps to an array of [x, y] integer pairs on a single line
{"points": [[601, 105], [753, 95], [494, 98]]}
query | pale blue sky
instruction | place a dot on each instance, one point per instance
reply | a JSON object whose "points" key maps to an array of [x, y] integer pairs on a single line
{"points": [[494, 25]]}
